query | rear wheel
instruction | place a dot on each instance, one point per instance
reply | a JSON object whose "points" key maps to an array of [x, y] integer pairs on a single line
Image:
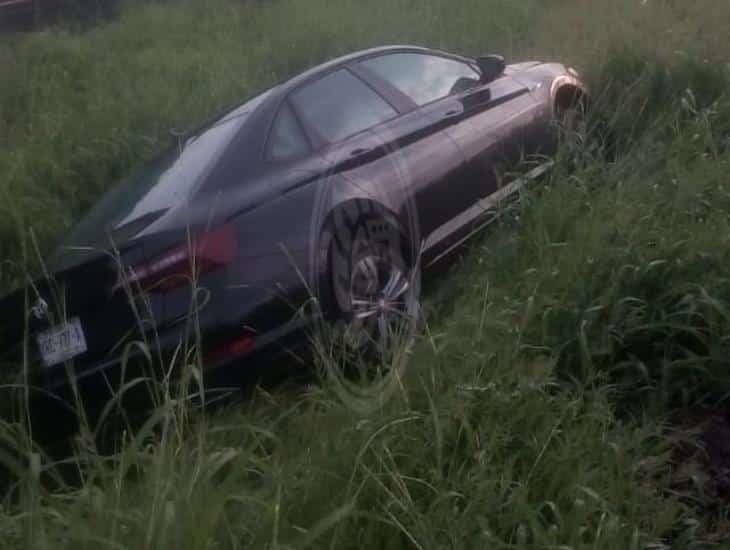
{"points": [[374, 299], [380, 296], [375, 290]]}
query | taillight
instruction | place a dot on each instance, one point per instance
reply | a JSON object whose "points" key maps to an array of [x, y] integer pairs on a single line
{"points": [[231, 348], [181, 264]]}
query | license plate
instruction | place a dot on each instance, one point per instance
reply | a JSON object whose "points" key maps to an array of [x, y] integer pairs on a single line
{"points": [[62, 342]]}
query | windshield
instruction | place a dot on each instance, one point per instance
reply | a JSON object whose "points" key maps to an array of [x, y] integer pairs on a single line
{"points": [[157, 186]]}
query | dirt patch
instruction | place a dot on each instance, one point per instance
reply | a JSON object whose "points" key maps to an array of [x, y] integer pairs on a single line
{"points": [[701, 460]]}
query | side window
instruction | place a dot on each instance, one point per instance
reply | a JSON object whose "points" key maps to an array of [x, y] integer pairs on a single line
{"points": [[287, 139], [424, 78], [340, 105]]}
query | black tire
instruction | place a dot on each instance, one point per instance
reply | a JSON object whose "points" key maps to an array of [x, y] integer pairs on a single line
{"points": [[373, 289]]}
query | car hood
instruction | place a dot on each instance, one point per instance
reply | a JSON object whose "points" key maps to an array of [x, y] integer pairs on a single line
{"points": [[519, 67]]}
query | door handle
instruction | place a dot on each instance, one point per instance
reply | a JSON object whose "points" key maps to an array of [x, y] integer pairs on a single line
{"points": [[359, 151], [451, 114]]}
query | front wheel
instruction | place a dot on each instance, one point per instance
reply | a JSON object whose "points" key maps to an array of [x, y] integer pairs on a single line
{"points": [[571, 119]]}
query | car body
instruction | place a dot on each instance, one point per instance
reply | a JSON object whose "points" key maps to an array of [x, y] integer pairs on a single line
{"points": [[248, 202], [15, 8]]}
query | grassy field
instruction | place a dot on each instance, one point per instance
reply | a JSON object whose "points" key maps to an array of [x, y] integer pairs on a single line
{"points": [[545, 403]]}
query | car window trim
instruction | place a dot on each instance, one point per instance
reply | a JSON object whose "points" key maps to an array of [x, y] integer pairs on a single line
{"points": [[443, 55], [416, 50], [319, 145], [400, 101]]}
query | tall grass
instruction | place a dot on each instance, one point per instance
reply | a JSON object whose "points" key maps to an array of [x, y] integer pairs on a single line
{"points": [[534, 410]]}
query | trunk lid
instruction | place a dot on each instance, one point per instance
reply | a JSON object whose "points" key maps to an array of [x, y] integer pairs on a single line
{"points": [[87, 291]]}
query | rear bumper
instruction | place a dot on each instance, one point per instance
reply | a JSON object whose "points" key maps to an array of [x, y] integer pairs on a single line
{"points": [[100, 381], [54, 406], [112, 363]]}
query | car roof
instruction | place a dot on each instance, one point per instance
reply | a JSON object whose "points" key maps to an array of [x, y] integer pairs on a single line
{"points": [[332, 64], [248, 148], [274, 93]]}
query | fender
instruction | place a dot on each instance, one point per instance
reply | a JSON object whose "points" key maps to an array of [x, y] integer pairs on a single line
{"points": [[572, 80]]}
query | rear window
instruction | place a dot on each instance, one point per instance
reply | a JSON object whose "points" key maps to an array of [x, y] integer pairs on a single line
{"points": [[160, 184], [287, 139]]}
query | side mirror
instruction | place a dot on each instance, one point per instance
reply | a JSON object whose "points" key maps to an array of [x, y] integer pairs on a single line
{"points": [[490, 66]]}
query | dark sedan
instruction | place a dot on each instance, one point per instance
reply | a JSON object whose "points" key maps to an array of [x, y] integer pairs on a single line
{"points": [[328, 193]]}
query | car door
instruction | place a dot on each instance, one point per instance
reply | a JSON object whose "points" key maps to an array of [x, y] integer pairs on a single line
{"points": [[492, 130], [375, 149], [484, 120], [432, 84]]}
